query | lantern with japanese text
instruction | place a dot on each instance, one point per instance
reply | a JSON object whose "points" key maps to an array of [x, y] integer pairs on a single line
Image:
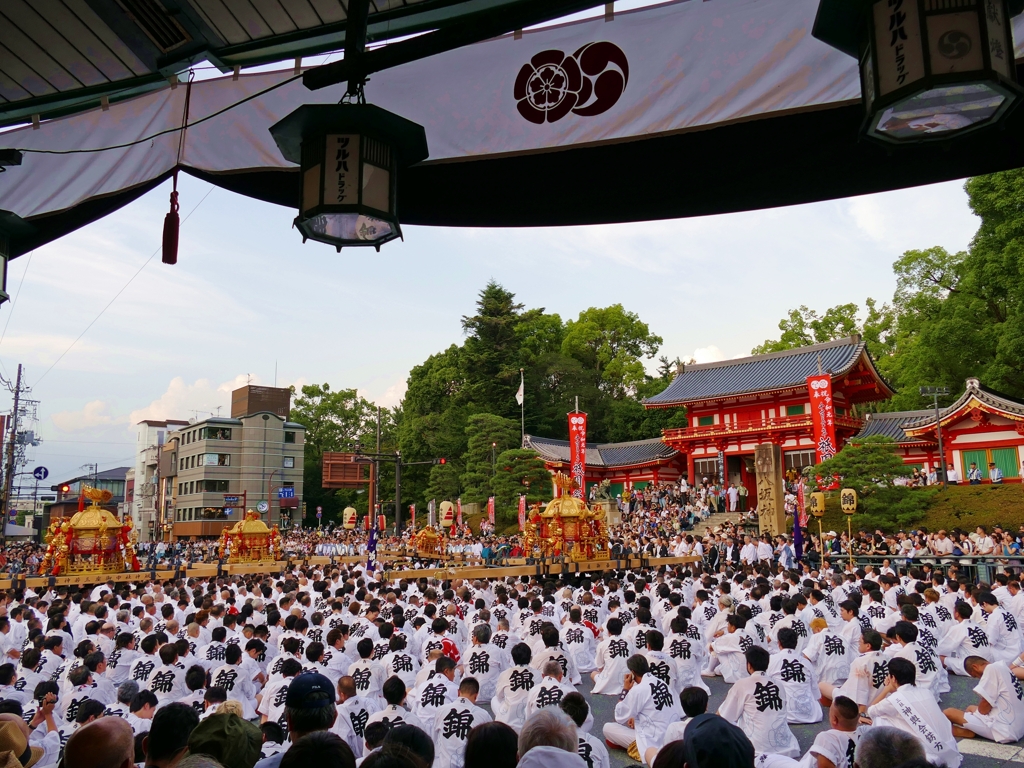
{"points": [[447, 516], [818, 504], [848, 501], [929, 69], [350, 156], [348, 518]]}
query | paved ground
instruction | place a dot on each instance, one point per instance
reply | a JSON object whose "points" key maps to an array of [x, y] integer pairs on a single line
{"points": [[977, 753]]}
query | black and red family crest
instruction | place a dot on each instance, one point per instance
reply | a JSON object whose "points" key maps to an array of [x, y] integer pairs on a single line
{"points": [[587, 83]]}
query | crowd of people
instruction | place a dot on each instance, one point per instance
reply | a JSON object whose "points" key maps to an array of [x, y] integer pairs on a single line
{"points": [[337, 665]]}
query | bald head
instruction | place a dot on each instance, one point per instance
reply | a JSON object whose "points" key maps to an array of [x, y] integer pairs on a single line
{"points": [[104, 743]]}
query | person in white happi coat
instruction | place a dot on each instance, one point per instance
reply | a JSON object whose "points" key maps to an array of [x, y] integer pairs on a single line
{"points": [[232, 678], [394, 713], [612, 653], [727, 652], [965, 638], [484, 662], [649, 704], [354, 713], [591, 748], [757, 704], [930, 674], [1004, 635], [512, 689], [272, 698], [579, 641], [838, 745], [552, 652], [549, 691], [797, 676], [400, 662], [790, 621], [999, 713], [867, 673], [904, 705], [662, 665], [828, 652], [434, 692], [454, 721], [368, 674]]}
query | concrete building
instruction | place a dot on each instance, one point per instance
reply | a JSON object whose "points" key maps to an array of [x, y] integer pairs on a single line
{"points": [[66, 505], [216, 468], [150, 436]]}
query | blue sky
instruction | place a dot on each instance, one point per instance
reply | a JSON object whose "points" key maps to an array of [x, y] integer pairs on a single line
{"points": [[247, 295]]}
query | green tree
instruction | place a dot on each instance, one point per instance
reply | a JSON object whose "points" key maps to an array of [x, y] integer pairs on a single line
{"points": [[871, 466], [335, 420], [611, 342], [803, 327], [491, 353], [519, 471], [487, 437]]}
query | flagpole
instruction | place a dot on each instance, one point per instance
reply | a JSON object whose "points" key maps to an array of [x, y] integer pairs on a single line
{"points": [[522, 412]]}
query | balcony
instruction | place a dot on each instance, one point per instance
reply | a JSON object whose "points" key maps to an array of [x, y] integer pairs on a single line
{"points": [[779, 424]]}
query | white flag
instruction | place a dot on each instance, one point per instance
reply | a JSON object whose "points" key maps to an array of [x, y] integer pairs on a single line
{"points": [[519, 394]]}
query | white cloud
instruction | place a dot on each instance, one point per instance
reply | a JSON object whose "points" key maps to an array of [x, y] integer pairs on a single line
{"points": [[708, 354], [393, 395], [95, 414], [181, 399]]}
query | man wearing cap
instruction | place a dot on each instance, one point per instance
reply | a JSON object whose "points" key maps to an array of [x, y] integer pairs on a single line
{"points": [[308, 708]]}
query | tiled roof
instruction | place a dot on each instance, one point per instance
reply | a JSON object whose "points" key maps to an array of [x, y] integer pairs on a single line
{"points": [[975, 390], [891, 425], [604, 454], [758, 373]]}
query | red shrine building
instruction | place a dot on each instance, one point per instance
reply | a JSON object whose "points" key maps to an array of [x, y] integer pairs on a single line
{"points": [[735, 405], [982, 428]]}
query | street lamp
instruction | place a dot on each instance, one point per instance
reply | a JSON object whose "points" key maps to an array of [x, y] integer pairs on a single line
{"points": [[935, 393], [493, 464], [350, 156], [929, 69]]}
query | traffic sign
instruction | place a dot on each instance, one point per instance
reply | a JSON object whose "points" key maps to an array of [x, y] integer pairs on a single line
{"points": [[286, 492], [319, 512], [262, 506], [40, 473]]}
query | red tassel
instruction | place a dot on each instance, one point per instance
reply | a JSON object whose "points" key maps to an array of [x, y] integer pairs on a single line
{"points": [[170, 254]]}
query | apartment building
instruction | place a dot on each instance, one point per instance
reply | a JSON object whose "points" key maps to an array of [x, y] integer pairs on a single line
{"points": [[216, 468], [146, 511]]}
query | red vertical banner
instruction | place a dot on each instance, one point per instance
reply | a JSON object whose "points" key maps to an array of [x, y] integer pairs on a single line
{"points": [[578, 453], [458, 511], [412, 516], [490, 509], [522, 512], [822, 416]]}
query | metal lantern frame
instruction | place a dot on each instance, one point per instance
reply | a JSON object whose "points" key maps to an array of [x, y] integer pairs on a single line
{"points": [[850, 26], [386, 141]]}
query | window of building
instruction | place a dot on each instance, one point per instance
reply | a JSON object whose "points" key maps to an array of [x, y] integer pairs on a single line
{"points": [[705, 421], [705, 468], [799, 459], [289, 462], [795, 410], [215, 433], [192, 487], [215, 486], [179, 489], [289, 437], [841, 412], [215, 459]]}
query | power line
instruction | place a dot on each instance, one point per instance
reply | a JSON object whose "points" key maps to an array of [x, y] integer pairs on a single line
{"points": [[123, 288], [152, 136]]}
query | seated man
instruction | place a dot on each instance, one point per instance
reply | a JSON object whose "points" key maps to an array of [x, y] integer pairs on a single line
{"points": [[901, 704], [835, 748], [757, 704], [867, 674], [591, 748], [999, 714], [965, 638], [694, 702], [644, 713], [798, 678]]}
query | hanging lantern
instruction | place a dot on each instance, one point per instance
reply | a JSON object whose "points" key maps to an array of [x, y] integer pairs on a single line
{"points": [[348, 518], [929, 69], [350, 156], [447, 515]]}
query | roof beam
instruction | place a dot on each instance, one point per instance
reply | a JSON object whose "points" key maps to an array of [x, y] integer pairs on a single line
{"points": [[471, 29]]}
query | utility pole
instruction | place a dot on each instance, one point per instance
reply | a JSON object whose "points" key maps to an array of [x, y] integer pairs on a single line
{"points": [[9, 469], [935, 393]]}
